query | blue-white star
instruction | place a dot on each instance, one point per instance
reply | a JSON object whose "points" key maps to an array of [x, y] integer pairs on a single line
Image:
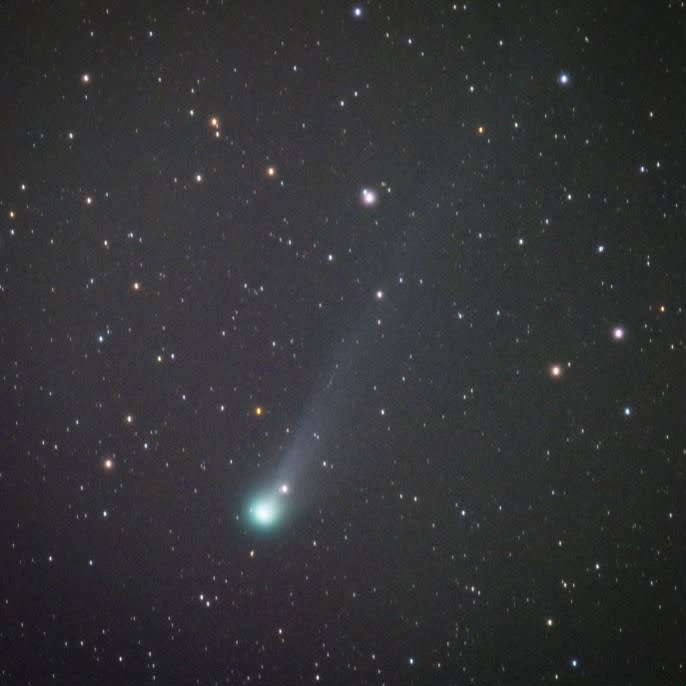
{"points": [[563, 78]]}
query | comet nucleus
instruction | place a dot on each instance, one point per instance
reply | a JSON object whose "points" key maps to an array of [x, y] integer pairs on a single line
{"points": [[264, 512], [267, 509]]}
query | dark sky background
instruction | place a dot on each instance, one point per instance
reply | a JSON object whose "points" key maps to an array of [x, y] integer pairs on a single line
{"points": [[424, 261]]}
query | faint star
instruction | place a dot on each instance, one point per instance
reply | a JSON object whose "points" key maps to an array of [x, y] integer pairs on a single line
{"points": [[563, 78]]}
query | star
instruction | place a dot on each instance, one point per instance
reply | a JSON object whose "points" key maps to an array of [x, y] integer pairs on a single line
{"points": [[369, 197], [555, 371], [215, 124], [563, 78]]}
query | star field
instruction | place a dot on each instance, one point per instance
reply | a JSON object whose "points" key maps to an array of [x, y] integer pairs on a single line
{"points": [[343, 344]]}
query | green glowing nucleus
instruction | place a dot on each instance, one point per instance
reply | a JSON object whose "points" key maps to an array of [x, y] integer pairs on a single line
{"points": [[268, 508], [265, 512]]}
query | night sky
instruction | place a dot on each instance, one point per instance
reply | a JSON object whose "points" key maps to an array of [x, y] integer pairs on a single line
{"points": [[342, 344]]}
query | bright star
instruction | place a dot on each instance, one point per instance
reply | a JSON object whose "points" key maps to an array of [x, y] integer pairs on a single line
{"points": [[369, 197], [563, 78], [555, 371]]}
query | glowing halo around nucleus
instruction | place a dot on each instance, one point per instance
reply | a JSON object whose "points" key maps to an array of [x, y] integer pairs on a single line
{"points": [[265, 512], [267, 509]]}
